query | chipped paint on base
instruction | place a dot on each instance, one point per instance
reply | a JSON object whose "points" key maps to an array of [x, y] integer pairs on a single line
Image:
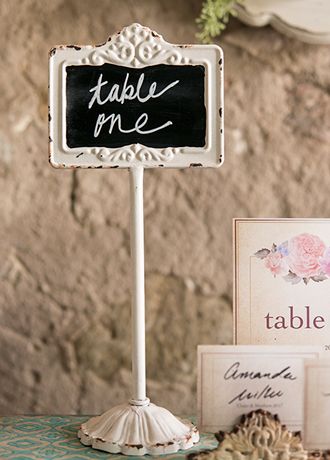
{"points": [[138, 430]]}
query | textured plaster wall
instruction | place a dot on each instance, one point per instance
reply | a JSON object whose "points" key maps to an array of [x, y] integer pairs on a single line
{"points": [[64, 235]]}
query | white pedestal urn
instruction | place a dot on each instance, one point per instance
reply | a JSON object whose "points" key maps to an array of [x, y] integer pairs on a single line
{"points": [[139, 427]]}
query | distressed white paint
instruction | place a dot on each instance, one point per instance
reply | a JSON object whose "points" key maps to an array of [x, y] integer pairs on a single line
{"points": [[259, 436], [137, 47], [139, 427], [138, 430], [306, 20]]}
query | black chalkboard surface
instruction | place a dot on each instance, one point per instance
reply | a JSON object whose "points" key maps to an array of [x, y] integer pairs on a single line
{"points": [[157, 106]]}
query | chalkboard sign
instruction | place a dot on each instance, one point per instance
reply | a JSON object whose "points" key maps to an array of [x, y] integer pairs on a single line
{"points": [[113, 106], [136, 99]]}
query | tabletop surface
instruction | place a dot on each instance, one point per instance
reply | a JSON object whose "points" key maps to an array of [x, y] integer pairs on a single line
{"points": [[55, 437]]}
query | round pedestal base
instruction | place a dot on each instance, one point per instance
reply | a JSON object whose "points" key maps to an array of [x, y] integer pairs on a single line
{"points": [[133, 429]]}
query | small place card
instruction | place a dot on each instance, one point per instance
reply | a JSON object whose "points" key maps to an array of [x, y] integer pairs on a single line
{"points": [[233, 380], [317, 405]]}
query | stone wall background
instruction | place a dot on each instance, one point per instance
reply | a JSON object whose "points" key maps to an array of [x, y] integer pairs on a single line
{"points": [[64, 235]]}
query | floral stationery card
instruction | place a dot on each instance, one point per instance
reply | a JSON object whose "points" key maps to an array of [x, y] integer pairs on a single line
{"points": [[282, 281]]}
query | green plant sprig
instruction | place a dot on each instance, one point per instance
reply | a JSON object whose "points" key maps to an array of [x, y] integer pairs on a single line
{"points": [[214, 18]]}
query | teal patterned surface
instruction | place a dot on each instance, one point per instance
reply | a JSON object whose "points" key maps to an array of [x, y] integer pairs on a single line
{"points": [[52, 438]]}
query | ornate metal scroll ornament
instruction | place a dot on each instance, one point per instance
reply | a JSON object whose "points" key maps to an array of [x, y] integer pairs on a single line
{"points": [[259, 436], [319, 455], [134, 152], [136, 46]]}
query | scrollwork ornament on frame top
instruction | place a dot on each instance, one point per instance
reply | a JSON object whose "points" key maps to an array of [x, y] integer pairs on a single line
{"points": [[136, 46]]}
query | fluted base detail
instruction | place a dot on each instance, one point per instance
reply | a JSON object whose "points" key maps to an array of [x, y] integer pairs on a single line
{"points": [[138, 430]]}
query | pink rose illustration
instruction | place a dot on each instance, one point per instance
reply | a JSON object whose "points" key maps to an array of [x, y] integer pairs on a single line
{"points": [[305, 251], [276, 263], [325, 262]]}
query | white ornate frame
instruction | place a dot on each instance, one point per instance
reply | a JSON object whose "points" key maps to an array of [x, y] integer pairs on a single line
{"points": [[137, 47]]}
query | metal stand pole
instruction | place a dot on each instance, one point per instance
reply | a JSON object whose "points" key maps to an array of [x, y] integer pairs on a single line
{"points": [[139, 427], [138, 291]]}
